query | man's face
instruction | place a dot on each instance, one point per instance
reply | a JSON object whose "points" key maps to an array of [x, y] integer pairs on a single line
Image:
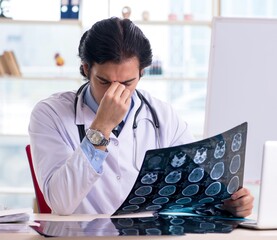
{"points": [[102, 75]]}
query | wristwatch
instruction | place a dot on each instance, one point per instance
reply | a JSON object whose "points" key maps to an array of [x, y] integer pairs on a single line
{"points": [[96, 137]]}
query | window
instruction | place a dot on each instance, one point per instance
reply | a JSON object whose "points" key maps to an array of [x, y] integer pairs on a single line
{"points": [[179, 32]]}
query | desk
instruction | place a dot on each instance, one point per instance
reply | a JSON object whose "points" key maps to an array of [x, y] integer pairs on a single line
{"points": [[237, 234]]}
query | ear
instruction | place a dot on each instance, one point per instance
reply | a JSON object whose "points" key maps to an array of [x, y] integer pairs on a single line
{"points": [[86, 69]]}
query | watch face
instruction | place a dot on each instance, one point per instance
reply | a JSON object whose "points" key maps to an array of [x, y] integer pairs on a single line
{"points": [[94, 136]]}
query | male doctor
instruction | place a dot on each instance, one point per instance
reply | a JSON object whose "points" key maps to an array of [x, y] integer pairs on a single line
{"points": [[88, 146]]}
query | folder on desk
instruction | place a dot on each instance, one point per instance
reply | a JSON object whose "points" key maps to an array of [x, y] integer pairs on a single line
{"points": [[15, 220], [15, 215]]}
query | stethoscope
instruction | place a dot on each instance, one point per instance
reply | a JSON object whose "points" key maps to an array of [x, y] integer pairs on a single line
{"points": [[154, 122]]}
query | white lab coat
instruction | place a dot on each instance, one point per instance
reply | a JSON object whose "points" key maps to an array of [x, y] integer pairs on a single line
{"points": [[67, 179]]}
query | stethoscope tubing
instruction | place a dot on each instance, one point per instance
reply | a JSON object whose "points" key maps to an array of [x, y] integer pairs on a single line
{"points": [[135, 145]]}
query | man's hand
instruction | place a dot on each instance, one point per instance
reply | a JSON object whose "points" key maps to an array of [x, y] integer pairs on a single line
{"points": [[240, 204], [112, 109]]}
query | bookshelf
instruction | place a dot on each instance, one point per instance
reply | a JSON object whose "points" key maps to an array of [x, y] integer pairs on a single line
{"points": [[35, 44]]}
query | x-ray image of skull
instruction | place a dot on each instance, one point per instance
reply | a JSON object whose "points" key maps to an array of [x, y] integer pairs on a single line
{"points": [[220, 149]]}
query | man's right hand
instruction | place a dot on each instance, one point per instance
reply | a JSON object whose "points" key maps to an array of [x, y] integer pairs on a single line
{"points": [[112, 109]]}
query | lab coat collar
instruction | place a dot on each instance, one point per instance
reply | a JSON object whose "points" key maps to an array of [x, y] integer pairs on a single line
{"points": [[81, 108]]}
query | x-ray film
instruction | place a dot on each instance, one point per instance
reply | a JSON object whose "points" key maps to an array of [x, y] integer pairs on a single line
{"points": [[192, 179]]}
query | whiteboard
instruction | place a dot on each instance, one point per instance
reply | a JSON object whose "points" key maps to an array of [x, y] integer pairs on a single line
{"points": [[242, 83]]}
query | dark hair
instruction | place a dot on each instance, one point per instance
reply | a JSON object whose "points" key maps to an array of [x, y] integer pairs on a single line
{"points": [[114, 40]]}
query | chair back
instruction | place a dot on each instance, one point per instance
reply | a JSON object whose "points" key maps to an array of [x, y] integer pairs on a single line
{"points": [[42, 205]]}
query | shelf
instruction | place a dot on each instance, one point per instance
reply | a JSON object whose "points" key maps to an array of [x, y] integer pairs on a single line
{"points": [[26, 38], [80, 79], [37, 78], [62, 22], [172, 78], [138, 22], [176, 22], [16, 190]]}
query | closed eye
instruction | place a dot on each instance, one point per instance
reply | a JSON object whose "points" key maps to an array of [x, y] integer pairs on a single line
{"points": [[105, 81]]}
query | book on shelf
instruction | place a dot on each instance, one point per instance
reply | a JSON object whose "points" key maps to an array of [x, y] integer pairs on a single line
{"points": [[3, 67], [178, 190], [9, 64]]}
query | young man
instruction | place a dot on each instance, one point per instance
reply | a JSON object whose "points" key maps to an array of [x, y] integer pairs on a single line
{"points": [[88, 146]]}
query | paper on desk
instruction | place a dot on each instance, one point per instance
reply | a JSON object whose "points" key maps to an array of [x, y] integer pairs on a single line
{"points": [[14, 227], [15, 220], [15, 215]]}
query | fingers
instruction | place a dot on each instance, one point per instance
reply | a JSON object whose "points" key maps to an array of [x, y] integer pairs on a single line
{"points": [[237, 209], [125, 95], [118, 92], [240, 204], [240, 193], [113, 107]]}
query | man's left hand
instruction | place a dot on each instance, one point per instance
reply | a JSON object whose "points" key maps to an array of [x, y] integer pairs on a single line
{"points": [[240, 204]]}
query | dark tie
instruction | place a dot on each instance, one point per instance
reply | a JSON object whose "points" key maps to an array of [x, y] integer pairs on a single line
{"points": [[116, 131]]}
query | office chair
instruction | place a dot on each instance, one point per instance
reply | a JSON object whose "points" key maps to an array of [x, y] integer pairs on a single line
{"points": [[42, 205]]}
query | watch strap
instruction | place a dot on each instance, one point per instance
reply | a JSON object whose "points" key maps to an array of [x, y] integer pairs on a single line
{"points": [[104, 142]]}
